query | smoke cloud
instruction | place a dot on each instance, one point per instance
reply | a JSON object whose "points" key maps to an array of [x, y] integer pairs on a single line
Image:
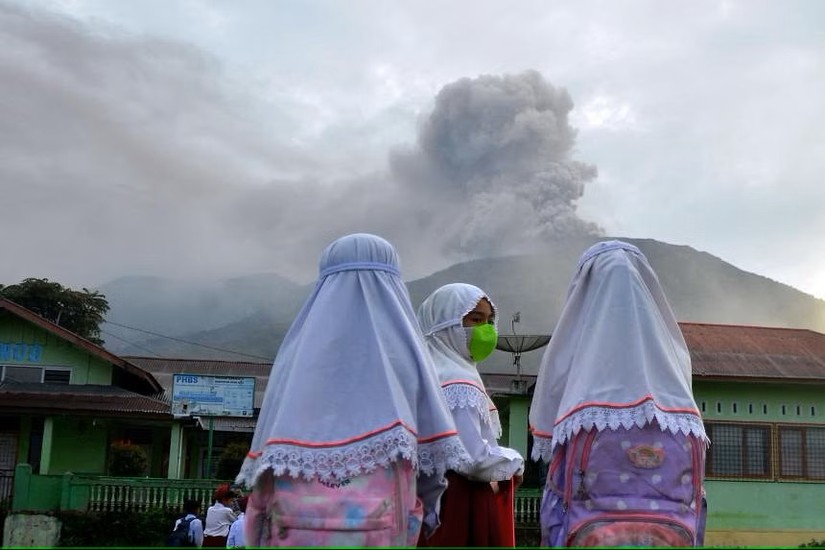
{"points": [[499, 150], [129, 155]]}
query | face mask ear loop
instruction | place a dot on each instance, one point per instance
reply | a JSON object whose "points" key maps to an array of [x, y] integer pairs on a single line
{"points": [[468, 337]]}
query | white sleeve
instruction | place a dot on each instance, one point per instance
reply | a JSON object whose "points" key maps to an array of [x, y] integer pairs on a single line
{"points": [[233, 531], [196, 528], [489, 461]]}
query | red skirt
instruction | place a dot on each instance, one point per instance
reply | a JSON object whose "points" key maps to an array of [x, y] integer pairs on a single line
{"points": [[210, 541], [473, 515]]}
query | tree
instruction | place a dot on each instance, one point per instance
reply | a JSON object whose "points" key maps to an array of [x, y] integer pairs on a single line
{"points": [[80, 311], [229, 464]]}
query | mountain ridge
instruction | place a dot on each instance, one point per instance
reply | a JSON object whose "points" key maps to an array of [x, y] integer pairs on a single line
{"points": [[251, 314]]}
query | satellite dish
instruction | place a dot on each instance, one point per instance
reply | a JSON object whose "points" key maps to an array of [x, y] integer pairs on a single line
{"points": [[518, 344]]}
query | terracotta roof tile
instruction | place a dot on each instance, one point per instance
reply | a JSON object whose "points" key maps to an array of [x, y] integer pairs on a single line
{"points": [[740, 351]]}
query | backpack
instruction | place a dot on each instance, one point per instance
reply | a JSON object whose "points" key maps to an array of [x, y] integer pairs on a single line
{"points": [[181, 535], [625, 487]]}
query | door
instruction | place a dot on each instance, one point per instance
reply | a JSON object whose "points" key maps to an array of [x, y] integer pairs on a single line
{"points": [[8, 460]]}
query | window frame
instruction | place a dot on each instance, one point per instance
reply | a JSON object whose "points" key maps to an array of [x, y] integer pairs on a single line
{"points": [[805, 474], [41, 368], [768, 449]]}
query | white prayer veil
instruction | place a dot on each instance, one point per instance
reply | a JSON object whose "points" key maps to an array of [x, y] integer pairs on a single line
{"points": [[352, 387], [440, 316], [617, 356]]}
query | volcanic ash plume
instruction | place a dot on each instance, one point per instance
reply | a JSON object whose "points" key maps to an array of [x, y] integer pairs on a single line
{"points": [[497, 153]]}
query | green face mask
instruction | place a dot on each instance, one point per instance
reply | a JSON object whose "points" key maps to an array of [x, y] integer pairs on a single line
{"points": [[481, 341]]}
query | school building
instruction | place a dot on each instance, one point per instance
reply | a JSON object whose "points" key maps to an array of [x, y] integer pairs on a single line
{"points": [[64, 401]]}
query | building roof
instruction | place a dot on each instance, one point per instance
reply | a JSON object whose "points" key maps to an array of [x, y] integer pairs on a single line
{"points": [[163, 370], [750, 352], [717, 352], [69, 336], [227, 424], [88, 398]]}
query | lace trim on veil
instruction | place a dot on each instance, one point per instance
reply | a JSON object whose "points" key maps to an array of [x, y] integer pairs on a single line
{"points": [[360, 457], [462, 395], [615, 418]]}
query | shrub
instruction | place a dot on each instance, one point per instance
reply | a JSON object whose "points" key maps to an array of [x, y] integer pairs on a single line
{"points": [[229, 463], [127, 459], [112, 529]]}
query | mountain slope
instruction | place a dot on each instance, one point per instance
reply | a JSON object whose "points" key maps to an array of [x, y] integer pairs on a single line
{"points": [[251, 314]]}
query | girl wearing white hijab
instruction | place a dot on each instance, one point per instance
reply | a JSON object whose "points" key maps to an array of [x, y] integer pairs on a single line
{"points": [[352, 412], [617, 364], [458, 321]]}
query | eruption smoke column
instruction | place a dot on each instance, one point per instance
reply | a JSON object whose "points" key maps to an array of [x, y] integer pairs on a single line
{"points": [[497, 150]]}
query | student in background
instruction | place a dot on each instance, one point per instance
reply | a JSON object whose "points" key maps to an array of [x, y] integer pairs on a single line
{"points": [[194, 533], [235, 538], [219, 517]]}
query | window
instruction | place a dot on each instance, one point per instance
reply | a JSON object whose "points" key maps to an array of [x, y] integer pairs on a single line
{"points": [[801, 452], [56, 376], [739, 450], [745, 450], [36, 375], [22, 374]]}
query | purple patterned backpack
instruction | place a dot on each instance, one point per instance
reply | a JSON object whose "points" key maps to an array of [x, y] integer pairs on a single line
{"points": [[625, 487]]}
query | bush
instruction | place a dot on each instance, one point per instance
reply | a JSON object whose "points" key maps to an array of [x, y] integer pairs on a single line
{"points": [[111, 529], [528, 537], [127, 459], [229, 464], [813, 544]]}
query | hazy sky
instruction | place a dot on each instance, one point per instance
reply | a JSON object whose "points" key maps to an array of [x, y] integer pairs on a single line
{"points": [[189, 138]]}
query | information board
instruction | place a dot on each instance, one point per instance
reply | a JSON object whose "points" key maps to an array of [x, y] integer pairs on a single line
{"points": [[204, 395]]}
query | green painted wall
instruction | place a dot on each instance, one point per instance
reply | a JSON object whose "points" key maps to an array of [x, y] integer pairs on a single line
{"points": [[35, 492], [745, 402], [518, 424], [31, 345], [23, 439], [78, 446], [765, 506]]}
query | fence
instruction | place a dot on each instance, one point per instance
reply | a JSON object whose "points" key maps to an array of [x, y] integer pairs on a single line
{"points": [[114, 494], [106, 494], [528, 505]]}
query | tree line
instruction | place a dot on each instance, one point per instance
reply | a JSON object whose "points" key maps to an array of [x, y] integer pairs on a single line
{"points": [[79, 311]]}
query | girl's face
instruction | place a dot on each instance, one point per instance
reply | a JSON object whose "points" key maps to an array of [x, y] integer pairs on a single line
{"points": [[482, 314]]}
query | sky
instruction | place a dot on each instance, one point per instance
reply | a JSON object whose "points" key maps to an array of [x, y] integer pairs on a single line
{"points": [[209, 139]]}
